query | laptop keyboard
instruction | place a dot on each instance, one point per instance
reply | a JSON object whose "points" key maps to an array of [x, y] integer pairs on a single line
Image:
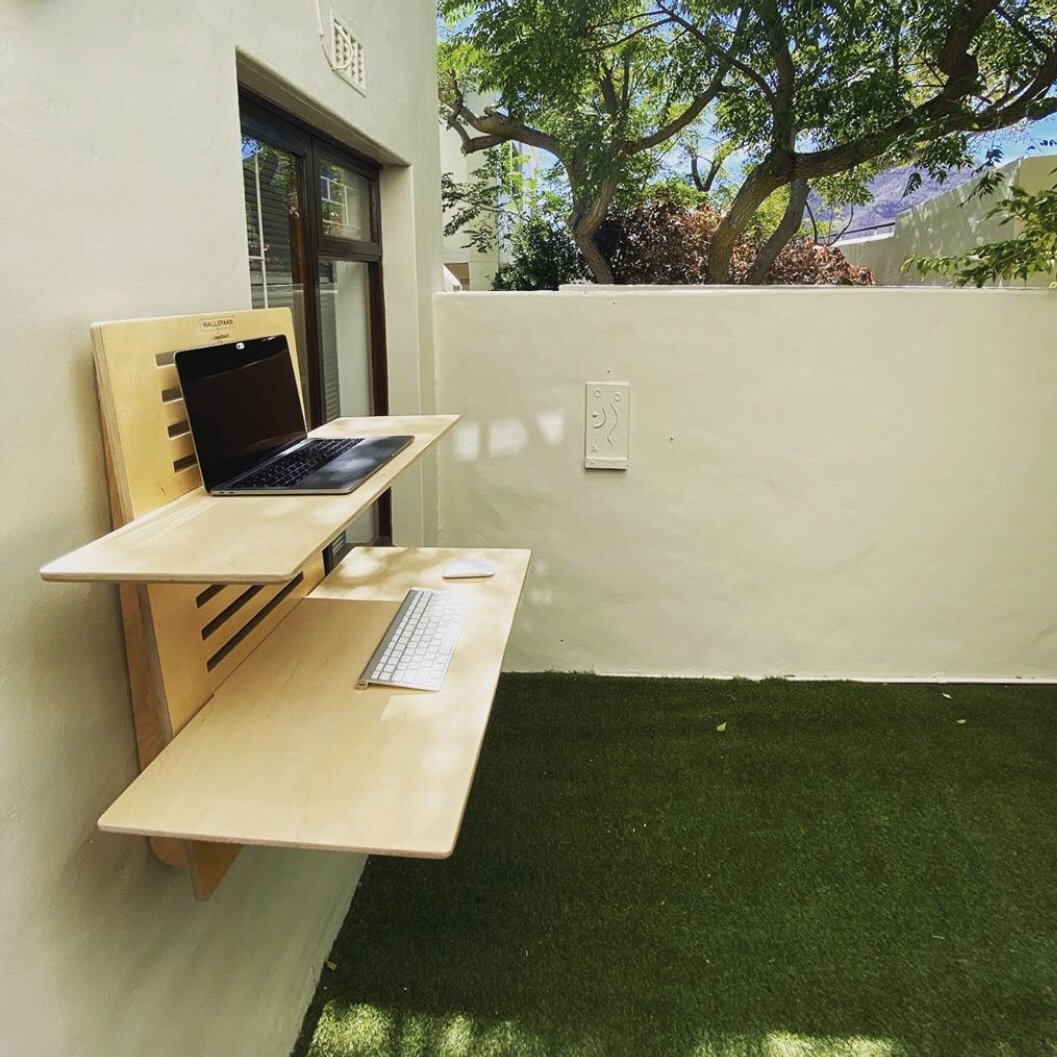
{"points": [[295, 467]]}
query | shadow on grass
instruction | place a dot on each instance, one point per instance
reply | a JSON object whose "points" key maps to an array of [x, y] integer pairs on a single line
{"points": [[843, 870]]}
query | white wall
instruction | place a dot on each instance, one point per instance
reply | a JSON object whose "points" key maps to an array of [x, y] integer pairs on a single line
{"points": [[822, 483], [949, 224], [121, 197]]}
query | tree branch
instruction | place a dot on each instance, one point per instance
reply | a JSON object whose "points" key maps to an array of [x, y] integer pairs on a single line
{"points": [[814, 222], [782, 110], [789, 226], [700, 102], [1028, 34], [726, 54], [834, 239], [609, 44], [757, 188], [941, 113], [705, 185], [496, 127], [471, 144], [954, 58], [609, 91], [690, 114]]}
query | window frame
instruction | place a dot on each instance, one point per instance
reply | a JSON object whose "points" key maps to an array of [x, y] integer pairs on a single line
{"points": [[269, 123]]}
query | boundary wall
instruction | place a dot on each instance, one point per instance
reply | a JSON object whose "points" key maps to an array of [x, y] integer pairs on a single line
{"points": [[823, 483]]}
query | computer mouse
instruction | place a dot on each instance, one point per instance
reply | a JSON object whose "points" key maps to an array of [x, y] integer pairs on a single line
{"points": [[468, 569]]}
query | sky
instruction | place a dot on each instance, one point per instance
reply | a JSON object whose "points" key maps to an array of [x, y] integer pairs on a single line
{"points": [[1016, 142]]}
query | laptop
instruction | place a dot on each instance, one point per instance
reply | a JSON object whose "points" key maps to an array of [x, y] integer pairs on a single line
{"points": [[249, 429]]}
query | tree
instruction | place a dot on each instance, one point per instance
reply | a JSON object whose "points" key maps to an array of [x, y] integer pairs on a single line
{"points": [[806, 91], [584, 81], [1031, 252], [543, 256]]}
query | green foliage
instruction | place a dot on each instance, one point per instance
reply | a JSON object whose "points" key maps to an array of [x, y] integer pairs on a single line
{"points": [[587, 73], [787, 90], [1033, 251], [502, 192], [543, 257]]}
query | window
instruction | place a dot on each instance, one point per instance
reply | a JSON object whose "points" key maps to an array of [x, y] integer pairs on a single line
{"points": [[314, 243]]}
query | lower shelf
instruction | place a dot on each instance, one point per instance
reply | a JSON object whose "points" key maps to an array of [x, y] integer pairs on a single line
{"points": [[289, 752]]}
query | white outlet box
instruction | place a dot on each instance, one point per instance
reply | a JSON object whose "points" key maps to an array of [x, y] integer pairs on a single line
{"points": [[607, 425]]}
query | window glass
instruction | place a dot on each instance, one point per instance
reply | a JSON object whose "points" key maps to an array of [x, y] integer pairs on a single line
{"points": [[345, 201], [272, 182], [314, 246], [345, 337]]}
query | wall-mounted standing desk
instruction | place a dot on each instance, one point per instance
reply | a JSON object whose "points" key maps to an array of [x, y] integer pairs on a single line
{"points": [[243, 657]]}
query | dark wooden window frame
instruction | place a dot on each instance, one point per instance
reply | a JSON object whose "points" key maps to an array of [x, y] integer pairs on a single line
{"points": [[269, 123]]}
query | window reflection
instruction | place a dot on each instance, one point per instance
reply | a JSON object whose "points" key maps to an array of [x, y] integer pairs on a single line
{"points": [[345, 203]]}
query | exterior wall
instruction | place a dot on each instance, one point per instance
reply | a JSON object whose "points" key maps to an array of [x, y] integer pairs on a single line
{"points": [[822, 483], [122, 197], [948, 224], [474, 269]]}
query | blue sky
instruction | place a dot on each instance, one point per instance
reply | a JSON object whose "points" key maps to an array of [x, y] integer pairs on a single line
{"points": [[1016, 142]]}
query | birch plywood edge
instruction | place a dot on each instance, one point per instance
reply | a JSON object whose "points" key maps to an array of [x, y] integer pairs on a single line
{"points": [[290, 753], [200, 538]]}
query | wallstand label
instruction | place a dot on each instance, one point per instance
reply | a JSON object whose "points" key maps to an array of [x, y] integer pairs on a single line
{"points": [[219, 328]]}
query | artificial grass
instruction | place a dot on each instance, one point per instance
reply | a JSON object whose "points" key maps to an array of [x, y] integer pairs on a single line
{"points": [[843, 870]]}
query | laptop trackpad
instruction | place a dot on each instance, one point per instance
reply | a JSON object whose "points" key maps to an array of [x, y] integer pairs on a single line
{"points": [[356, 465]]}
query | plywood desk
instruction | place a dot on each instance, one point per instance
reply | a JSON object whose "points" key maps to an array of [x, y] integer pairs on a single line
{"points": [[243, 658], [289, 752]]}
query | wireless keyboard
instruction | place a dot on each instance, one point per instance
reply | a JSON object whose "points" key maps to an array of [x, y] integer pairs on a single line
{"points": [[419, 642]]}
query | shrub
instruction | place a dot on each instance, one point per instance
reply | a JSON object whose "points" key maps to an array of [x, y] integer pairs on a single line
{"points": [[544, 257], [666, 242]]}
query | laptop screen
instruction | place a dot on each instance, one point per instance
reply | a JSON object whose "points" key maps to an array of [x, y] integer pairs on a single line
{"points": [[242, 404]]}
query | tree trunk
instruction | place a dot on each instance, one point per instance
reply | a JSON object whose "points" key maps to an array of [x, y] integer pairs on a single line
{"points": [[584, 222], [596, 260], [754, 192], [790, 225]]}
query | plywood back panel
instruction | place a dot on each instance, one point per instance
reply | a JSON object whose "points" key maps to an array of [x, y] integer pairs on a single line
{"points": [[143, 412], [182, 640], [198, 647]]}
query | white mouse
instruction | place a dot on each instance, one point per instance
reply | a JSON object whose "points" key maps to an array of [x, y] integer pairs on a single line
{"points": [[468, 569]]}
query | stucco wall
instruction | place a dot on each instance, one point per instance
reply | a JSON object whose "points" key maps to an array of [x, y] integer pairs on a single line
{"points": [[822, 483], [122, 197], [949, 224]]}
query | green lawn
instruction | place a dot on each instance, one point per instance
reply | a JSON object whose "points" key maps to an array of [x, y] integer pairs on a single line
{"points": [[715, 869]]}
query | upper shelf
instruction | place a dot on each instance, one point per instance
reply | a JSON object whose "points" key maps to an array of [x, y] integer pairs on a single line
{"points": [[200, 538]]}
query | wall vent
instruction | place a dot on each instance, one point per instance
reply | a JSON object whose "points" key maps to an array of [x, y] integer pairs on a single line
{"points": [[347, 55]]}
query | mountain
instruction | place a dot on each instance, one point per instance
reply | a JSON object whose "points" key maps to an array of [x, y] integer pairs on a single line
{"points": [[888, 190]]}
